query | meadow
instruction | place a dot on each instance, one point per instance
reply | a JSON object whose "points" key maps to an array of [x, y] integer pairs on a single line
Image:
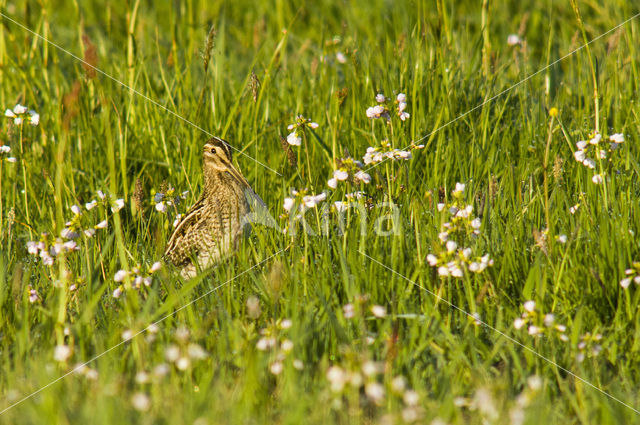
{"points": [[454, 186]]}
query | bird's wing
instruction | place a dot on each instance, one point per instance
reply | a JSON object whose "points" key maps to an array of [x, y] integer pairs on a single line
{"points": [[183, 244], [258, 211]]}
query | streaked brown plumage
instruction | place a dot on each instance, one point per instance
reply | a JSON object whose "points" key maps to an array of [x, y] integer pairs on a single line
{"points": [[211, 230]]}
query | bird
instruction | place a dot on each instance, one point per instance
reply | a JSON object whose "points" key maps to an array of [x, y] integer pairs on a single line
{"points": [[213, 227]]}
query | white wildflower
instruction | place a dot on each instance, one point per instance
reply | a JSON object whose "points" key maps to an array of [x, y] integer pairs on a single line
{"points": [[617, 138], [120, 275], [34, 118], [378, 311], [293, 139], [276, 368], [19, 109], [513, 39], [363, 177], [61, 353], [340, 175], [141, 402], [518, 323], [288, 203], [529, 306], [118, 205], [374, 391]]}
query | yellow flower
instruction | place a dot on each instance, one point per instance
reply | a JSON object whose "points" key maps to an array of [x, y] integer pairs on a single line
{"points": [[553, 112]]}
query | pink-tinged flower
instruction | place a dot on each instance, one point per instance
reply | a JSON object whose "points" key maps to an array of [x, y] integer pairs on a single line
{"points": [[340, 175], [155, 267], [363, 177], [120, 275]]}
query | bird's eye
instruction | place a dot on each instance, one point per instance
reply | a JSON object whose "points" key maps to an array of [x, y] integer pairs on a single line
{"points": [[213, 150]]}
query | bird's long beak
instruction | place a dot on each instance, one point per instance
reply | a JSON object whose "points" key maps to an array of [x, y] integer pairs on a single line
{"points": [[238, 175]]}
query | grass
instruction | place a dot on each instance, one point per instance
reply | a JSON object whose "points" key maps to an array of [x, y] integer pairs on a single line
{"points": [[448, 57]]}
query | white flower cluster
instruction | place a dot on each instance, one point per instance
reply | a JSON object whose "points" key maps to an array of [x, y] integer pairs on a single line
{"points": [[297, 127], [368, 375], [454, 259], [33, 295], [589, 151], [135, 279], [589, 346], [382, 110], [48, 248], [490, 410], [168, 198], [273, 341], [21, 113], [537, 323], [632, 275], [303, 200], [4, 154], [82, 223], [116, 204], [351, 170], [183, 351], [383, 152]]}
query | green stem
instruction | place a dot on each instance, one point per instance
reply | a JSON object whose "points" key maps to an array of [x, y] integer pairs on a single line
{"points": [[1, 210], [545, 171], [24, 182], [592, 67]]}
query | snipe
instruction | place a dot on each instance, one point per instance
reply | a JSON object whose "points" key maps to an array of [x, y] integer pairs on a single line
{"points": [[212, 228]]}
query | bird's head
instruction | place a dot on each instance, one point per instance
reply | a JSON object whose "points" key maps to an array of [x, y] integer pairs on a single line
{"points": [[217, 155]]}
